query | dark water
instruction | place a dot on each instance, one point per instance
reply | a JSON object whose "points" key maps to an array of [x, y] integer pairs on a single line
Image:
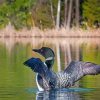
{"points": [[17, 82]]}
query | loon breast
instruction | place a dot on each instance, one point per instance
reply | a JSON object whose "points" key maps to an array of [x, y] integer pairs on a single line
{"points": [[40, 81], [38, 85], [62, 79]]}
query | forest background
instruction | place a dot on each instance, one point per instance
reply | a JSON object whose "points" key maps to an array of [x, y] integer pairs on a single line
{"points": [[50, 14]]}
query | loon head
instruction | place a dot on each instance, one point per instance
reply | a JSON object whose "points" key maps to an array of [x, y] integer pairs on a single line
{"points": [[46, 52]]}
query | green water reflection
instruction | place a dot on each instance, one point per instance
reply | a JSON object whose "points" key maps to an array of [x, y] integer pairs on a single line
{"points": [[15, 78]]}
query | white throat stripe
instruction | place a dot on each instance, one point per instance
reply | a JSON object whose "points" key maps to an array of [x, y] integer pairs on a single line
{"points": [[50, 58]]}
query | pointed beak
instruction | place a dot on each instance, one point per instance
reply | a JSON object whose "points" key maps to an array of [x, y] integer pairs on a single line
{"points": [[35, 50]]}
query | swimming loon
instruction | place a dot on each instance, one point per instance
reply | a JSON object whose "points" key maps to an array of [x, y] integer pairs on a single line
{"points": [[49, 56], [63, 79]]}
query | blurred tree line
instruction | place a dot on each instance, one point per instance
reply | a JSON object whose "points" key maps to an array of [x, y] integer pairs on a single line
{"points": [[50, 13], [91, 12], [16, 12]]}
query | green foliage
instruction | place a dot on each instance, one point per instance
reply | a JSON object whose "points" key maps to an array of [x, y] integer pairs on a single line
{"points": [[17, 12], [26, 13], [91, 11], [3, 16], [42, 17], [42, 14]]}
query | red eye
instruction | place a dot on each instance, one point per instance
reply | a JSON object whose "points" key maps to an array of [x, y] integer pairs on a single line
{"points": [[41, 50]]}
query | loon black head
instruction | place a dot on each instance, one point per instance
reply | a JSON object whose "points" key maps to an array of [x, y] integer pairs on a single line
{"points": [[45, 52]]}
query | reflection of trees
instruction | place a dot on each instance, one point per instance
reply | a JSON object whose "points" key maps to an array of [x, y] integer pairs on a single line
{"points": [[69, 59], [70, 52], [58, 56]]}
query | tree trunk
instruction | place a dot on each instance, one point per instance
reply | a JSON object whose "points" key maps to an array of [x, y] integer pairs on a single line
{"points": [[77, 13], [58, 14], [52, 12], [69, 14], [66, 12]]}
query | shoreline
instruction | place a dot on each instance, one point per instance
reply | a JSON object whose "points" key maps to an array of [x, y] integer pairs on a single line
{"points": [[10, 32], [52, 36], [65, 37]]}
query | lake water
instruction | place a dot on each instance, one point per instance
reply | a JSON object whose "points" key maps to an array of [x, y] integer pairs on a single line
{"points": [[17, 82]]}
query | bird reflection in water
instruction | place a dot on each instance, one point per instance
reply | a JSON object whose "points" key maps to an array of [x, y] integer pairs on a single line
{"points": [[57, 95]]}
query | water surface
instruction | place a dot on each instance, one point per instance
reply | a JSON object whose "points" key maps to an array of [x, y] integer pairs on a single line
{"points": [[17, 82]]}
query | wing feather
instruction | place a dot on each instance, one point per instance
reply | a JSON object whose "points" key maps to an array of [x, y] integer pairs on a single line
{"points": [[78, 69]]}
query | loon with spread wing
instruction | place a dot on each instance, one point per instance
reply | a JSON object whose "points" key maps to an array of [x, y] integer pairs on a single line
{"points": [[63, 79], [49, 56]]}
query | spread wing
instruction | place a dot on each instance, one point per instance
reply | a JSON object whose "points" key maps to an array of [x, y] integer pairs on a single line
{"points": [[39, 67], [78, 69]]}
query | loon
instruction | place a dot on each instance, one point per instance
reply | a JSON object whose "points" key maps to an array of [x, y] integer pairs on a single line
{"points": [[63, 79], [49, 56]]}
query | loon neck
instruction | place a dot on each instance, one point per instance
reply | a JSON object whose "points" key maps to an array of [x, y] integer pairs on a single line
{"points": [[49, 62]]}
